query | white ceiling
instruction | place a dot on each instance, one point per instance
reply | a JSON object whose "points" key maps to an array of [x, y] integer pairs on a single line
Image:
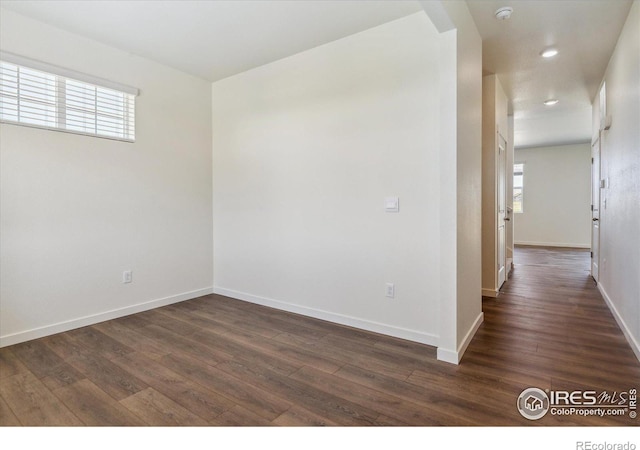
{"points": [[213, 39], [585, 33], [217, 39]]}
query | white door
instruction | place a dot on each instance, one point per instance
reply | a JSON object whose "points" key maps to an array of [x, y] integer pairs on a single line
{"points": [[595, 208], [502, 209]]}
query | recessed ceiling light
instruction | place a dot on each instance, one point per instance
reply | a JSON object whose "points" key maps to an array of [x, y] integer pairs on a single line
{"points": [[503, 13], [551, 102], [549, 53]]}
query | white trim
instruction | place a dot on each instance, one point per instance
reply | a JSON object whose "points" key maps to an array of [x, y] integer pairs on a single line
{"points": [[67, 73], [445, 355], [469, 336], [376, 327], [635, 346], [64, 130], [454, 357], [490, 292], [60, 327], [553, 244]]}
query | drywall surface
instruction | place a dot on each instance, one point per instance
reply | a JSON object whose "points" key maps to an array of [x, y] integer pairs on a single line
{"points": [[77, 211], [305, 151], [468, 174], [619, 279], [556, 196]]}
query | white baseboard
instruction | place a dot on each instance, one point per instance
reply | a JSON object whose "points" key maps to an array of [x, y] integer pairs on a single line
{"points": [[489, 292], [72, 324], [553, 244], [469, 336], [454, 357], [363, 324], [635, 346]]}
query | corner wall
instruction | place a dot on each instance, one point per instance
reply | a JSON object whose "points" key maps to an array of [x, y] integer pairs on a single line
{"points": [[305, 150], [469, 177], [76, 211], [461, 156]]}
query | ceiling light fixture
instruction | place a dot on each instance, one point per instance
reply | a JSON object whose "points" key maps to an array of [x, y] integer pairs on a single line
{"points": [[551, 102], [503, 13], [549, 53]]}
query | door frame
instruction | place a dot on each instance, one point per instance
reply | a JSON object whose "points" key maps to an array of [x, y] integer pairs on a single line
{"points": [[596, 203], [501, 211]]}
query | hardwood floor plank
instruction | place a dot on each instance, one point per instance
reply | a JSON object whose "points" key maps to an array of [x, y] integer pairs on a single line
{"points": [[193, 345], [38, 358], [45, 364], [63, 345], [298, 356], [109, 377], [297, 416], [7, 418], [334, 408], [292, 354], [200, 401], [62, 375], [239, 416], [391, 406], [155, 317], [99, 343], [132, 339], [218, 325], [236, 320], [388, 357], [94, 407], [271, 361], [259, 401], [159, 411], [33, 404], [10, 364], [442, 406], [346, 352], [498, 399], [386, 421], [278, 322]]}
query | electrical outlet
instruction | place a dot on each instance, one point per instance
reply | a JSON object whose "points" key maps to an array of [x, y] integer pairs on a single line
{"points": [[390, 290], [127, 276]]}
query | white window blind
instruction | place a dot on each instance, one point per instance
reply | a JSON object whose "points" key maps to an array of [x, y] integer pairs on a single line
{"points": [[32, 96]]}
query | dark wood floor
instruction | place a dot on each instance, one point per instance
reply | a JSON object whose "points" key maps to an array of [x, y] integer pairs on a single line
{"points": [[218, 361]]}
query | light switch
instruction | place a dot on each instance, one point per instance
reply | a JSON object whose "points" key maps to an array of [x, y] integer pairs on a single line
{"points": [[391, 204]]}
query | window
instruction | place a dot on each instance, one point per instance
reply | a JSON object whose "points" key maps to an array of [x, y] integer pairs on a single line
{"points": [[518, 185], [33, 96]]}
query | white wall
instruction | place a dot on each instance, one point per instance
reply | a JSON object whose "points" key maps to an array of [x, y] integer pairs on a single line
{"points": [[619, 279], [495, 123], [556, 196], [305, 150], [76, 211], [468, 175]]}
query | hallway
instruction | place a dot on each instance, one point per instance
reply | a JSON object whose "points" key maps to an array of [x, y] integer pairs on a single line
{"points": [[550, 328]]}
